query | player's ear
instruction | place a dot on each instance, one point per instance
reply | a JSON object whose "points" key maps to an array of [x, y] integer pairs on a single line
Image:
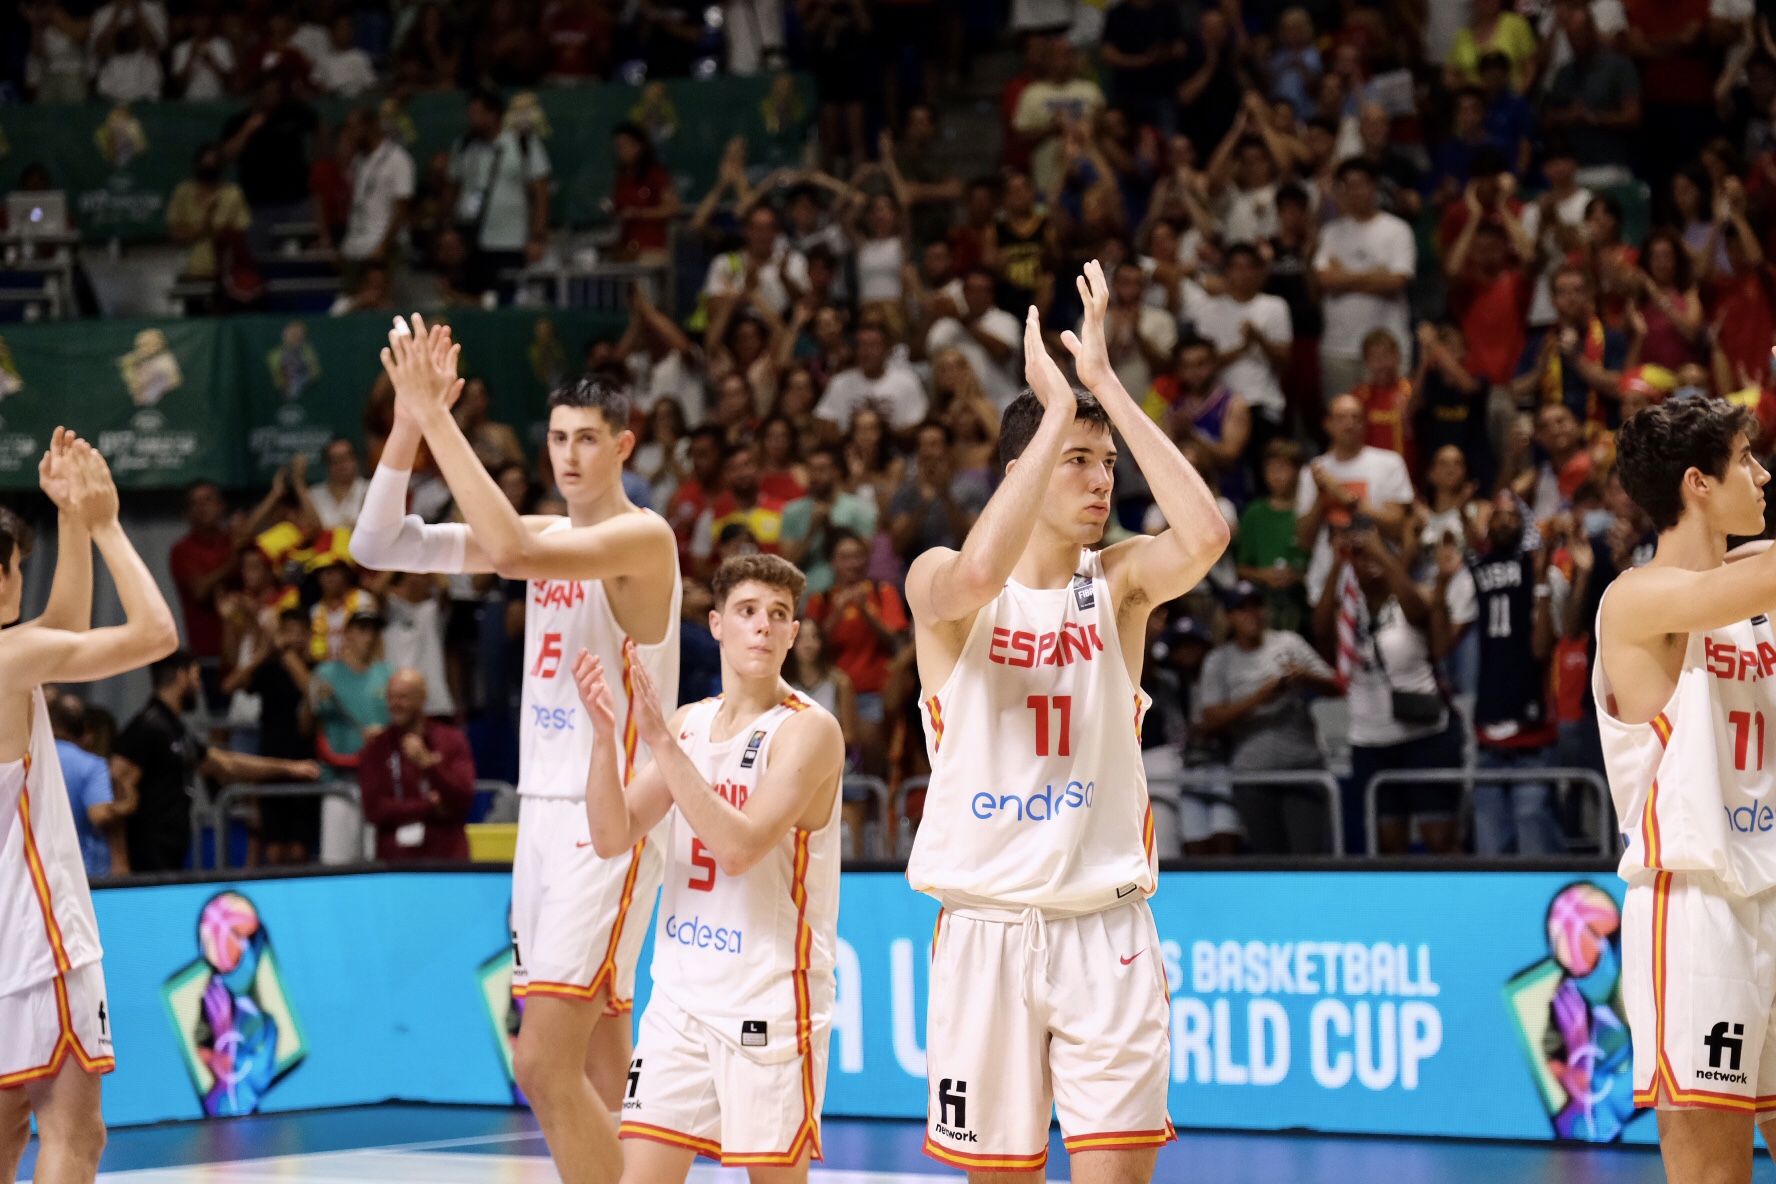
{"points": [[625, 444], [715, 628]]}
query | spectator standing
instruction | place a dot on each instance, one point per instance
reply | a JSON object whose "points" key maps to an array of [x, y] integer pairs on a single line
{"points": [[1254, 694], [166, 759], [1492, 29], [340, 601], [1490, 286], [1512, 722], [276, 674], [339, 501], [828, 506], [499, 182], [56, 70], [414, 637], [1049, 106], [131, 72], [766, 265], [1578, 360], [743, 501], [810, 670], [203, 64], [269, 145], [1252, 333], [1267, 551], [865, 624], [1672, 329], [1350, 480], [1555, 222], [416, 778], [1386, 395], [207, 213], [382, 187], [1595, 100], [202, 561], [643, 198], [345, 70], [98, 820], [1365, 261], [893, 391], [937, 506], [1192, 404], [349, 693], [986, 335]]}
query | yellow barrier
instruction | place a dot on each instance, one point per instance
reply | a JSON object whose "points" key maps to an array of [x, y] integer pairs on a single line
{"points": [[492, 842]]}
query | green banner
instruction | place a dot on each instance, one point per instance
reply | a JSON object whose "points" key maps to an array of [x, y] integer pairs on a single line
{"points": [[119, 164], [229, 400]]}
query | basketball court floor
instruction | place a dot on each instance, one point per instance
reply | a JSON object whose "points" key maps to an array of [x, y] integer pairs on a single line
{"points": [[471, 1145]]}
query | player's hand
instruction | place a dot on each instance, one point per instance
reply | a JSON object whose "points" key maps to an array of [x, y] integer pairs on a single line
{"points": [[95, 493], [595, 694], [55, 472], [1045, 378], [644, 700], [1091, 354], [422, 367]]}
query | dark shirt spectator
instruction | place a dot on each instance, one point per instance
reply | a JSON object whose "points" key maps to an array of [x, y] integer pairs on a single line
{"points": [[269, 145], [417, 779]]}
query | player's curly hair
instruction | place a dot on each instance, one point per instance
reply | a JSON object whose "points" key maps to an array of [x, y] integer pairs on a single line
{"points": [[601, 394], [773, 571], [1658, 445]]}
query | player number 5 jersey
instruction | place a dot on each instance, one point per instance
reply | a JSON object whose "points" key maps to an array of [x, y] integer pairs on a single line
{"points": [[749, 955], [1038, 797], [1695, 789]]}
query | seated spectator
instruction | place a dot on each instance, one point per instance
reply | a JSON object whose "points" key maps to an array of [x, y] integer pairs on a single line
{"points": [[276, 674], [1351, 480], [826, 507], [348, 693], [937, 506], [1254, 692], [810, 670], [744, 501], [1398, 716], [203, 64], [98, 818], [339, 501], [865, 625], [508, 51], [371, 292], [163, 758], [1386, 396], [208, 213], [893, 391], [345, 70], [495, 443], [131, 71], [1578, 360], [416, 778], [1266, 550]]}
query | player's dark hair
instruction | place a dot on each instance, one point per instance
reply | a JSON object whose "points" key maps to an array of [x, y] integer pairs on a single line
{"points": [[773, 571], [1658, 445], [15, 540], [1017, 427], [597, 393], [162, 673]]}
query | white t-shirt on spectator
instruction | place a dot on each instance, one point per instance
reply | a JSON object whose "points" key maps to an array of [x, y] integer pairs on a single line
{"points": [[335, 512], [1568, 212], [59, 74], [879, 264], [785, 269], [1375, 474], [1220, 319], [1160, 330], [313, 41], [998, 382], [897, 394], [130, 78], [1248, 215], [1383, 243], [672, 377], [414, 639], [513, 163], [379, 180], [348, 73], [153, 13], [204, 82], [1405, 666]]}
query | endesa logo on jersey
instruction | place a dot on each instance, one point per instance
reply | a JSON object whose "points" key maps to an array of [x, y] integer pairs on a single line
{"points": [[1751, 820], [1045, 804], [1731, 662], [692, 932], [1025, 648], [552, 719]]}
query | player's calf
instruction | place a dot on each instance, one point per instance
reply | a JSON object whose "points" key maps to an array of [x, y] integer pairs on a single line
{"points": [[15, 1132], [70, 1125]]}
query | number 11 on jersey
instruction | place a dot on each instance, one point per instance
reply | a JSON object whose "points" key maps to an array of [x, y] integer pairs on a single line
{"points": [[1060, 705], [1741, 723]]}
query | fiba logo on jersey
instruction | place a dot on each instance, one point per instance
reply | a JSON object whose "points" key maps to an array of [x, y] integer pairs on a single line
{"points": [[1083, 594], [952, 1110], [754, 743]]}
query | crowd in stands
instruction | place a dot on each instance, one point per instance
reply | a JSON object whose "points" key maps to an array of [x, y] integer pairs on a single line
{"points": [[1391, 273]]}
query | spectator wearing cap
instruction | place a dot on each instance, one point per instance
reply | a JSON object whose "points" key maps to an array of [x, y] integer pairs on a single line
{"points": [[416, 777], [349, 693], [1365, 261], [340, 600], [1254, 693]]}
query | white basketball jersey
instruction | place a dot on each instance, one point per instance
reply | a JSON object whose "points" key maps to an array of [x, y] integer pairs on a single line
{"points": [[562, 617], [1038, 797], [1695, 789], [749, 955], [47, 927]]}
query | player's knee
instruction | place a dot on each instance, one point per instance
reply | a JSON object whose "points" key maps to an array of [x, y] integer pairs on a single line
{"points": [[76, 1138], [540, 1071]]}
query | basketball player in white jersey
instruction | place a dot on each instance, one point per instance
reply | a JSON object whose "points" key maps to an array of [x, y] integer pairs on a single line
{"points": [[731, 1062], [1047, 988], [604, 576], [1685, 683], [55, 1029]]}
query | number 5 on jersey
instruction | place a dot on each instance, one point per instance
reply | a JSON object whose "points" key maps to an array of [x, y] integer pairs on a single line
{"points": [[704, 862], [548, 659]]}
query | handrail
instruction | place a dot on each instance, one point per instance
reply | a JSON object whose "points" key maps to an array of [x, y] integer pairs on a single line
{"points": [[870, 843], [1468, 778], [244, 790], [1199, 783]]}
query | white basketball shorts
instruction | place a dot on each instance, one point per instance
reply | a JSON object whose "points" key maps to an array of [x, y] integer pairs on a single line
{"points": [[42, 1026], [1028, 1017], [578, 921], [690, 1087], [1699, 985]]}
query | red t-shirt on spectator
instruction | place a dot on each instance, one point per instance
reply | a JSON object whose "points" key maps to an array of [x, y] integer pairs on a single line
{"points": [[782, 487], [1389, 427], [1745, 320], [1492, 318], [856, 647], [579, 40], [1682, 77], [192, 558], [641, 193]]}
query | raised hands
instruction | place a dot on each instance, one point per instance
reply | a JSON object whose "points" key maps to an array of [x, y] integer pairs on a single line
{"points": [[92, 492], [595, 695], [422, 365], [1045, 378], [55, 472], [1091, 354]]}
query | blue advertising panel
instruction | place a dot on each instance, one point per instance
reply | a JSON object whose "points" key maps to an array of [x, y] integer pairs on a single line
{"points": [[1468, 1004]]}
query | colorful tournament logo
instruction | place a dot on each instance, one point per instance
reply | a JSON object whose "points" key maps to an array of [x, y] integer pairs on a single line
{"points": [[150, 370], [1567, 1009], [293, 362], [505, 1013], [121, 138], [548, 357], [230, 1011], [11, 381], [525, 116], [656, 114], [782, 110]]}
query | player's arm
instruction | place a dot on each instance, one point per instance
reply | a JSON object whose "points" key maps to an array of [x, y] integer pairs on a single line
{"points": [[1148, 569], [33, 656], [70, 593], [949, 585], [618, 818]]}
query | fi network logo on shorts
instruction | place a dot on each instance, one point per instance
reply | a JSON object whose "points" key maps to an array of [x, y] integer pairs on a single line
{"points": [[952, 1111], [1721, 1047]]}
